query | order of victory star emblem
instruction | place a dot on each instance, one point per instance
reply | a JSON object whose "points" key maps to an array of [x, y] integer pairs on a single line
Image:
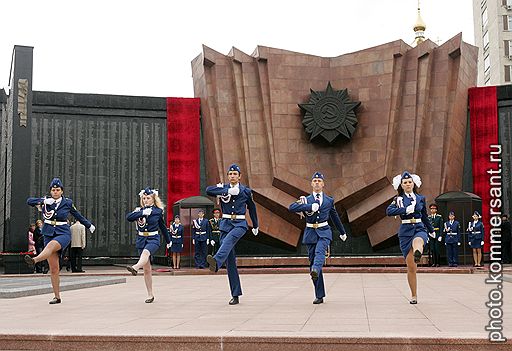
{"points": [[329, 114]]}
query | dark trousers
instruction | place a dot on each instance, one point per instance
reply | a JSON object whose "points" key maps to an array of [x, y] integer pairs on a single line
{"points": [[200, 250], [452, 253], [226, 254], [316, 254], [435, 251], [506, 248], [41, 267], [76, 259], [212, 249]]}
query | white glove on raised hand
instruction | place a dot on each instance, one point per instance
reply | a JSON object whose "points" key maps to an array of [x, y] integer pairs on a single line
{"points": [[315, 206], [458, 244], [343, 237], [234, 191], [220, 185], [482, 243], [147, 211], [432, 235], [92, 228], [169, 245], [212, 242], [440, 239], [409, 209], [255, 231], [49, 201], [193, 242], [207, 241]]}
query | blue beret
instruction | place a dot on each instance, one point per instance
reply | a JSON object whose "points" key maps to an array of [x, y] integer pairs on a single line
{"points": [[406, 175], [234, 167], [56, 183], [177, 216], [200, 211], [317, 175], [451, 213], [148, 191], [476, 213]]}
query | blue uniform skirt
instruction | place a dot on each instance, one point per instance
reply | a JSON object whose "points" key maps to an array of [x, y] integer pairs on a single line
{"points": [[406, 241], [476, 243], [177, 247], [63, 239], [150, 243]]}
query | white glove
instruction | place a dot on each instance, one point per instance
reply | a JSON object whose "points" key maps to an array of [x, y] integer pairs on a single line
{"points": [[255, 231], [315, 206], [343, 237], [193, 242], [147, 211], [469, 243], [169, 245], [409, 209], [432, 235], [234, 191], [49, 201], [136, 209], [220, 185], [212, 242], [482, 243], [440, 239], [207, 241], [92, 228], [458, 244]]}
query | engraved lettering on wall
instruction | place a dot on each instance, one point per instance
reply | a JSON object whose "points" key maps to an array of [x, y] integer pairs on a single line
{"points": [[22, 101]]}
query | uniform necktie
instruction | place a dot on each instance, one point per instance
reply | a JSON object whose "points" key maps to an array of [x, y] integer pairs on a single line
{"points": [[318, 198]]}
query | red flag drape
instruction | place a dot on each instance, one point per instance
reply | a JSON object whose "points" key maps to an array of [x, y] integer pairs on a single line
{"points": [[183, 138], [483, 112]]}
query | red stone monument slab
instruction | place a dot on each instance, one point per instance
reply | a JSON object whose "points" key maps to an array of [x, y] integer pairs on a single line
{"points": [[412, 115]]}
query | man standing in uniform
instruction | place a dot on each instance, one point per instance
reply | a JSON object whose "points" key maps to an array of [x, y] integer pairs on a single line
{"points": [[199, 239], [506, 239], [77, 246], [435, 243], [318, 208], [452, 239], [214, 232], [235, 200]]}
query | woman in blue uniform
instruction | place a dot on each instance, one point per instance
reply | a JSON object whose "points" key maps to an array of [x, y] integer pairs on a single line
{"points": [[56, 234], [476, 238], [149, 217], [412, 209], [176, 230]]}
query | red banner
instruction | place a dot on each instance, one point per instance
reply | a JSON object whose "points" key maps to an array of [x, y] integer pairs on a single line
{"points": [[183, 143], [483, 112]]}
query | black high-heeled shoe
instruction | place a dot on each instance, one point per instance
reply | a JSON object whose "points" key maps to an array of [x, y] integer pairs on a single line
{"points": [[55, 301], [150, 300]]}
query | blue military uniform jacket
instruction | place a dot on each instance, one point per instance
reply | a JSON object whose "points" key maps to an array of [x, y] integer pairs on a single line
{"points": [[200, 230], [234, 205], [452, 232], [60, 214], [475, 231], [149, 224], [399, 208], [326, 211], [176, 234]]}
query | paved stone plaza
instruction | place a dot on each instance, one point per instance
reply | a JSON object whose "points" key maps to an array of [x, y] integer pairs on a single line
{"points": [[451, 306]]}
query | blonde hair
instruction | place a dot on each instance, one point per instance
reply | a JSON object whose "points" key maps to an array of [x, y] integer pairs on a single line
{"points": [[157, 202]]}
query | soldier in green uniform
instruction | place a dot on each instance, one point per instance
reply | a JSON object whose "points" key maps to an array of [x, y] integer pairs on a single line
{"points": [[435, 242], [214, 232]]}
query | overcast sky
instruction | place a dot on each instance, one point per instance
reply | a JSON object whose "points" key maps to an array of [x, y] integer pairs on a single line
{"points": [[145, 47]]}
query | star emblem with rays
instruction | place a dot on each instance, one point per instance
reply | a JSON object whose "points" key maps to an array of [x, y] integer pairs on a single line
{"points": [[329, 114]]}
